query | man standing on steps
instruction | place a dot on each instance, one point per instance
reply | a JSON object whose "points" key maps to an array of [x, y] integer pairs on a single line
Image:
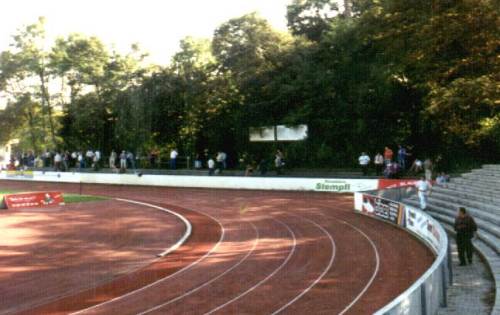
{"points": [[465, 226], [423, 191]]}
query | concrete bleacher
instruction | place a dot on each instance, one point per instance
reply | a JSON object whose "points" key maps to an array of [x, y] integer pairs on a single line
{"points": [[479, 192]]}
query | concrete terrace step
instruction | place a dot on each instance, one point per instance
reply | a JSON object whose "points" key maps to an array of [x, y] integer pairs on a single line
{"points": [[467, 195], [485, 172], [467, 278], [482, 178], [489, 207], [488, 187], [487, 232], [490, 218], [492, 167], [489, 192]]}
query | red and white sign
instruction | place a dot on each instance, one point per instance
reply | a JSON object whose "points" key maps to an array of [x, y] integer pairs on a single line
{"points": [[35, 199], [395, 183]]}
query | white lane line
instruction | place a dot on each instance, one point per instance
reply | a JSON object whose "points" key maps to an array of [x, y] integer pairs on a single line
{"points": [[165, 278], [374, 273], [189, 228], [325, 271], [210, 281], [266, 278]]}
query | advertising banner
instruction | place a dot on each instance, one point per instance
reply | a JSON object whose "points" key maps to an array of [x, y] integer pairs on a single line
{"points": [[395, 183], [420, 224], [35, 199], [348, 185], [19, 174], [382, 208]]}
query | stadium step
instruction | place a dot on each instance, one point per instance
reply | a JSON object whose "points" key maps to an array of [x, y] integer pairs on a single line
{"points": [[475, 186], [464, 194], [463, 297], [480, 178], [488, 232], [479, 192], [487, 206]]}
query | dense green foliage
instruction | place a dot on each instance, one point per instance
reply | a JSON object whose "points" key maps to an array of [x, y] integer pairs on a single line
{"points": [[420, 73]]}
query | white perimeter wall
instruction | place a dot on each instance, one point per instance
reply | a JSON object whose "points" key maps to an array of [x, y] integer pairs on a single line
{"points": [[223, 182]]}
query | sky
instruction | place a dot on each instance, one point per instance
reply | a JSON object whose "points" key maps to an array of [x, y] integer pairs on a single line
{"points": [[157, 25]]}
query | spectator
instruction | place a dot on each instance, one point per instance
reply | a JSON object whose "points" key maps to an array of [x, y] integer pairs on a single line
{"points": [[57, 162], [89, 157], [465, 226], [428, 166], [442, 180], [423, 191], [279, 162], [95, 162], [65, 161], [211, 166], [219, 162], [364, 160], [38, 162], [81, 161], [112, 160], [123, 162], [402, 154], [130, 160], [197, 162], [173, 159], [416, 167], [250, 168], [224, 159], [74, 159], [388, 155], [379, 163]]}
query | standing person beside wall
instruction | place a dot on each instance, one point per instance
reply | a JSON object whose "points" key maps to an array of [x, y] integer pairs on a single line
{"points": [[364, 160], [465, 226], [423, 191]]}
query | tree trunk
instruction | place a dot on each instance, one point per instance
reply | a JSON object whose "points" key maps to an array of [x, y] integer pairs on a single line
{"points": [[347, 8], [31, 125], [47, 103]]}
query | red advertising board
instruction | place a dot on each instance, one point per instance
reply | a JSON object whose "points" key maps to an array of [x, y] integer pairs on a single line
{"points": [[34, 199], [395, 183]]}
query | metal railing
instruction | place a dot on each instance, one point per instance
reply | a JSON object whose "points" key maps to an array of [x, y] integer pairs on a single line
{"points": [[426, 295]]}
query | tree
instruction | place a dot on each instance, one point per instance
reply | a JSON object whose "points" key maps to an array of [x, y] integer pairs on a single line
{"points": [[312, 18]]}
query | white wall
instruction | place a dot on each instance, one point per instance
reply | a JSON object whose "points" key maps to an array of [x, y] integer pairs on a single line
{"points": [[226, 182]]}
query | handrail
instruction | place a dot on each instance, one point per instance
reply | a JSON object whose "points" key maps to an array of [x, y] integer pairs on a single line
{"points": [[403, 304]]}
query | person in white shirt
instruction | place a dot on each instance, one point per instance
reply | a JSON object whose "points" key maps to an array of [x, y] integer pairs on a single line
{"points": [[173, 158], [112, 160], [364, 160], [57, 161], [211, 166], [423, 191], [379, 163]]}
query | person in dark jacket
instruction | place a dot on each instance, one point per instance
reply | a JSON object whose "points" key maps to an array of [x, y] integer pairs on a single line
{"points": [[465, 226]]}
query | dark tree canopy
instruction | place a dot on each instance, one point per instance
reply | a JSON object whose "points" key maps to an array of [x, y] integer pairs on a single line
{"points": [[420, 73]]}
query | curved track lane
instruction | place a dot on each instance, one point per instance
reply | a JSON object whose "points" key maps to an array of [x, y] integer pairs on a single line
{"points": [[282, 252]]}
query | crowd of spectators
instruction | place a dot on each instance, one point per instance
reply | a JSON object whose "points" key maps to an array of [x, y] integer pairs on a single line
{"points": [[123, 161], [389, 165]]}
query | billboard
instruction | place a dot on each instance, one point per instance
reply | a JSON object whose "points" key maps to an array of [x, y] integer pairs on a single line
{"points": [[35, 199], [420, 224], [384, 209], [278, 133]]}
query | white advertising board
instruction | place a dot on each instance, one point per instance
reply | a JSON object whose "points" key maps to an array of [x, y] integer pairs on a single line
{"points": [[223, 182]]}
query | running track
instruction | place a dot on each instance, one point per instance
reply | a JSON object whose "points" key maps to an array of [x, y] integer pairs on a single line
{"points": [[254, 252]]}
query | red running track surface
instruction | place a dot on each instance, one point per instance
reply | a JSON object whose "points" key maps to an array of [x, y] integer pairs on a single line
{"points": [[253, 252]]}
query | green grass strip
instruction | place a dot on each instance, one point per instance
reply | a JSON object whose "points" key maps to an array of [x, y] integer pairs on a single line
{"points": [[72, 198]]}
